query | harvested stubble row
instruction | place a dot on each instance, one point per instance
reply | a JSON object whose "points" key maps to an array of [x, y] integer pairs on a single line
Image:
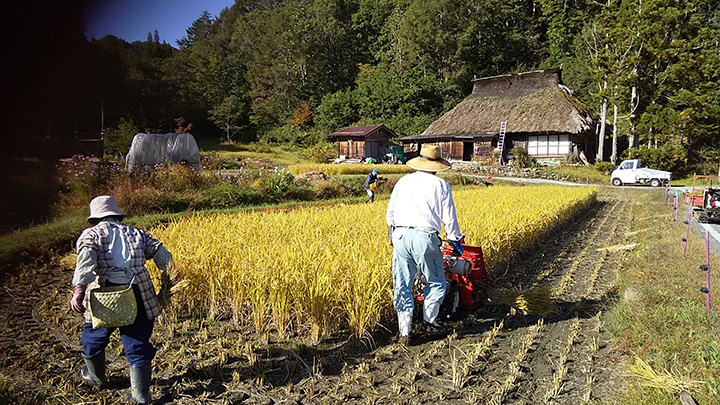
{"points": [[315, 270], [350, 168]]}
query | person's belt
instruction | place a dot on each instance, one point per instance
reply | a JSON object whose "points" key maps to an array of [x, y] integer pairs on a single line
{"points": [[424, 230]]}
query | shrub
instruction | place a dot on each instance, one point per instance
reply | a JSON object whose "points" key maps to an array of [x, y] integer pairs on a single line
{"points": [[321, 153], [215, 162], [710, 156], [224, 195], [299, 190], [349, 186], [670, 156], [325, 190], [117, 141], [85, 175], [280, 181], [143, 200], [177, 177], [459, 179], [604, 167], [522, 158]]}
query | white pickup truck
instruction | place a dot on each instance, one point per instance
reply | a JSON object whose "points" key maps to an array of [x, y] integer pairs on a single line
{"points": [[630, 172]]}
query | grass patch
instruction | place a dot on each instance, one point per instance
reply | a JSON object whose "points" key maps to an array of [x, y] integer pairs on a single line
{"points": [[580, 174], [701, 182], [281, 154], [661, 318]]}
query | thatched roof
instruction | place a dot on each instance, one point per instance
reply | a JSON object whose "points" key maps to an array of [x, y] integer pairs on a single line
{"points": [[362, 131], [532, 102]]}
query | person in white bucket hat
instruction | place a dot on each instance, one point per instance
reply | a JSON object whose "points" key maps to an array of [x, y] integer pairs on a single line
{"points": [[418, 204], [112, 253]]}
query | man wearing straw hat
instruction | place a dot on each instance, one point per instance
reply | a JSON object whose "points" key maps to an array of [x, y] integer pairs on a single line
{"points": [[418, 204], [111, 253]]}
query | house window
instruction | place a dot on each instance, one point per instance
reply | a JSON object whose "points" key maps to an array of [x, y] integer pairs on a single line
{"points": [[544, 145]]}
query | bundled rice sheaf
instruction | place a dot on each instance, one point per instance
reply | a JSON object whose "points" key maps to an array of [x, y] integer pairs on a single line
{"points": [[535, 301], [169, 285], [663, 380]]}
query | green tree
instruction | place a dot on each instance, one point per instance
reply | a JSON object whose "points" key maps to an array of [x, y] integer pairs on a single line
{"points": [[337, 110], [117, 141], [227, 116]]}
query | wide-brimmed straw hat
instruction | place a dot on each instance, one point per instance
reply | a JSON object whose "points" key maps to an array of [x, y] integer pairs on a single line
{"points": [[104, 206], [429, 160]]}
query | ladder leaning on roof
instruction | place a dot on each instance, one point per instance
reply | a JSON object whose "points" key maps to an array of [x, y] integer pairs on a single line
{"points": [[501, 141]]}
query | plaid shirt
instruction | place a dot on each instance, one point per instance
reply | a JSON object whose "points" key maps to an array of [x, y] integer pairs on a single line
{"points": [[142, 247]]}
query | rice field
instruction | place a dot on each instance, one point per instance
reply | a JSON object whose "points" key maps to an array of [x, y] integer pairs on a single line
{"points": [[348, 168], [313, 271]]}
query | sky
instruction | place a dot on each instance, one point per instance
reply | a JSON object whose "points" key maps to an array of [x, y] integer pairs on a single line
{"points": [[131, 20]]}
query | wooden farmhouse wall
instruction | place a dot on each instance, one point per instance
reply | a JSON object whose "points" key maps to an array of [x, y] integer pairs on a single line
{"points": [[351, 148], [455, 149]]}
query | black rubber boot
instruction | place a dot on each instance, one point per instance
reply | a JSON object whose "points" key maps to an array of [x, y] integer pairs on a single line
{"points": [[433, 328], [93, 372], [140, 384]]}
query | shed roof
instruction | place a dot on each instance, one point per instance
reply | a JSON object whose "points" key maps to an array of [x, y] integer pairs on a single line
{"points": [[362, 131], [530, 102]]}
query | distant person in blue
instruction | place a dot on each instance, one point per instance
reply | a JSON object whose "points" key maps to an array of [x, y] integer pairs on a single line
{"points": [[370, 184]]}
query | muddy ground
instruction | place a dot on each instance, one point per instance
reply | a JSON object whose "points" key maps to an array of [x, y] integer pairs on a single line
{"points": [[495, 355]]}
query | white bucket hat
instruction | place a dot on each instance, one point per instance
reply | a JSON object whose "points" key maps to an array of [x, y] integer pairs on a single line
{"points": [[104, 206], [429, 160]]}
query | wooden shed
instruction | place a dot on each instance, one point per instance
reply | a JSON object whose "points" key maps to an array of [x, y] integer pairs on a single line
{"points": [[369, 141], [541, 115]]}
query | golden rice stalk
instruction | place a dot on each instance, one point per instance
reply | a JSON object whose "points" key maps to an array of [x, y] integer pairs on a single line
{"points": [[169, 285], [319, 269], [348, 168], [68, 261], [535, 301], [664, 380]]}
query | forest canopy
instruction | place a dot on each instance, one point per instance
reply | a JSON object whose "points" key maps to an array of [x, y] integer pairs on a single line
{"points": [[295, 71]]}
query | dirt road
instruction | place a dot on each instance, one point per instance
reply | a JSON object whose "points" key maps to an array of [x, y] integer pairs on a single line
{"points": [[494, 355]]}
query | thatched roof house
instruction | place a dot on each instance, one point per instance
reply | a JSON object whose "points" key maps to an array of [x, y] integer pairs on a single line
{"points": [[370, 141], [542, 116]]}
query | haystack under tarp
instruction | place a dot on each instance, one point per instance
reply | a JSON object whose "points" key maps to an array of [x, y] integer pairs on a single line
{"points": [[150, 149]]}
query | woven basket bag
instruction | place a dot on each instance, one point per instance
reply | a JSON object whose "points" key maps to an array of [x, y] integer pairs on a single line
{"points": [[113, 306]]}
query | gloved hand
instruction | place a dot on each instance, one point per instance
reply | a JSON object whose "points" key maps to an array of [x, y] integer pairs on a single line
{"points": [[457, 247], [76, 302]]}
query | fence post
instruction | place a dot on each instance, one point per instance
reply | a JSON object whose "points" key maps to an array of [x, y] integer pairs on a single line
{"points": [[707, 273], [687, 231]]}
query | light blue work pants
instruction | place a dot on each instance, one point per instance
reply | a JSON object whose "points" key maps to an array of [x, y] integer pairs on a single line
{"points": [[413, 250]]}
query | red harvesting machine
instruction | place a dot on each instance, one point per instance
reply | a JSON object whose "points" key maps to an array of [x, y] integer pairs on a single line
{"points": [[466, 279]]}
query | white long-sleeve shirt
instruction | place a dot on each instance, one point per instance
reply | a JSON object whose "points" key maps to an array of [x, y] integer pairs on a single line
{"points": [[423, 200]]}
